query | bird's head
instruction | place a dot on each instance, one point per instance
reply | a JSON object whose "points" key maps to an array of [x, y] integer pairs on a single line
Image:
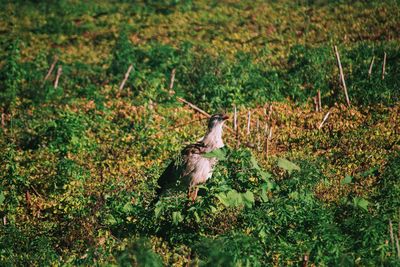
{"points": [[217, 120]]}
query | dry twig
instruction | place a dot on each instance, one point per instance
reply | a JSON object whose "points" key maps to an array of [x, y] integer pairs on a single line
{"points": [[323, 121], [248, 122], [51, 69], [370, 66], [342, 75], [383, 66], [59, 71], [126, 77], [172, 80]]}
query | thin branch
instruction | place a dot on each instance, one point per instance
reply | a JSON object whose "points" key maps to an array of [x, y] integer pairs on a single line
{"points": [[383, 66], [305, 261], [370, 66], [319, 101], [126, 77], [248, 122], [51, 68], [3, 120], [193, 106], [234, 118], [59, 71], [323, 121], [172, 80], [391, 233], [315, 103], [342, 75]]}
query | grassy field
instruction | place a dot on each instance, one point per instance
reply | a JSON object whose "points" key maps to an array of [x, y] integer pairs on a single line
{"points": [[80, 158]]}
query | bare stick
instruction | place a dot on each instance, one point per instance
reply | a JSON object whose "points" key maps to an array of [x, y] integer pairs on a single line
{"points": [[383, 66], [397, 247], [180, 99], [305, 261], [59, 71], [3, 120], [248, 122], [234, 118], [391, 233], [270, 111], [172, 80], [258, 125], [370, 66], [270, 133], [126, 77], [342, 75], [267, 147], [193, 107], [4, 220], [51, 68], [323, 121], [319, 101], [315, 103], [28, 198], [237, 133]]}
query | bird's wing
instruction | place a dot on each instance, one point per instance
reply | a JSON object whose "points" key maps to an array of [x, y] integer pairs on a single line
{"points": [[190, 155], [181, 167], [168, 178]]}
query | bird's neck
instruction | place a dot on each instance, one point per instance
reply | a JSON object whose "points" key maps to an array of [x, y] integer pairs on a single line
{"points": [[213, 138]]}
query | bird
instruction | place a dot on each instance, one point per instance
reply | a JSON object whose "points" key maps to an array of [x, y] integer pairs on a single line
{"points": [[191, 168]]}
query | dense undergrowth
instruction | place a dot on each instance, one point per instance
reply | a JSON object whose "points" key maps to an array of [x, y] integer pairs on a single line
{"points": [[79, 163]]}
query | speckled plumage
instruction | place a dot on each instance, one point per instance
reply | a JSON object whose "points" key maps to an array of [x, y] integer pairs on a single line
{"points": [[191, 168]]}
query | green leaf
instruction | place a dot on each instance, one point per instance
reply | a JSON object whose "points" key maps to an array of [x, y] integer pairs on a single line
{"points": [[361, 203], [346, 180], [223, 199], [248, 198], [177, 217], [263, 195], [159, 208], [197, 217], [127, 207], [110, 220], [218, 153], [265, 175], [2, 198], [254, 163], [287, 165]]}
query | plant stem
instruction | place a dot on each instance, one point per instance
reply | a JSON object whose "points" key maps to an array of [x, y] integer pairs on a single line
{"points": [[126, 77], [342, 75]]}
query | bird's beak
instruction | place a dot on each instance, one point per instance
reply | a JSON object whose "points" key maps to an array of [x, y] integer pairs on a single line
{"points": [[225, 117]]}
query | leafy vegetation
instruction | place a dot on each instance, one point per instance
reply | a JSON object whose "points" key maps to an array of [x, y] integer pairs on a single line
{"points": [[80, 160]]}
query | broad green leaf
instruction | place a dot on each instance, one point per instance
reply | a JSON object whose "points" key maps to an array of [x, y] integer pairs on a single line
{"points": [[110, 220], [346, 180], [2, 197], [158, 209], [254, 163], [213, 209], [218, 153], [177, 217], [127, 207], [197, 217], [223, 199], [248, 198], [234, 198], [287, 165], [361, 203], [263, 195], [265, 175]]}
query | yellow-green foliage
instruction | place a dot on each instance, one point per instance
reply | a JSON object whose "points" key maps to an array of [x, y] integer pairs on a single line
{"points": [[79, 163]]}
